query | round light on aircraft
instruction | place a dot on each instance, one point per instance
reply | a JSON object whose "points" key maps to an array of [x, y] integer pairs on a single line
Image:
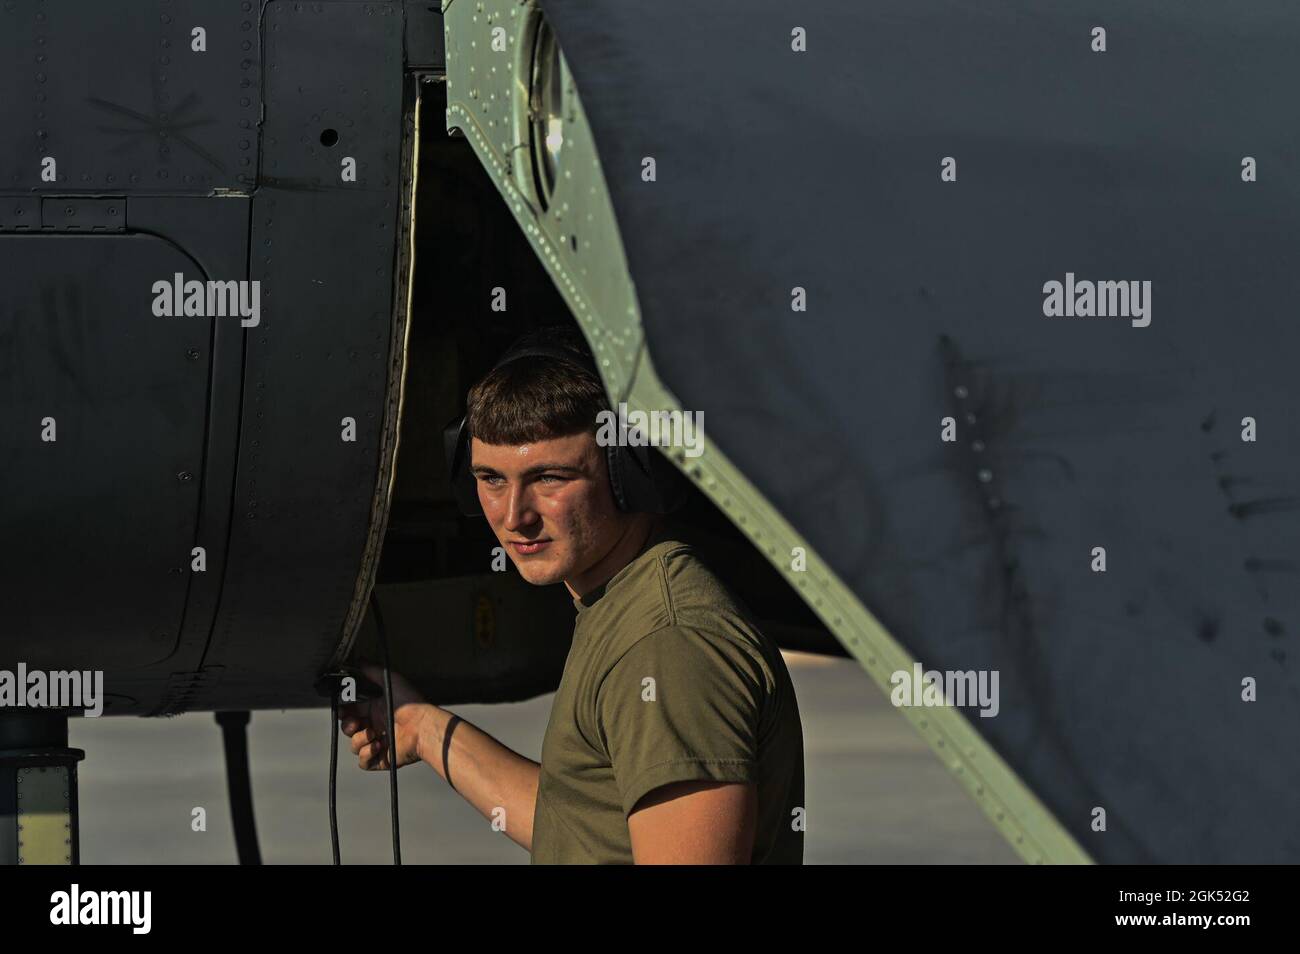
{"points": [[546, 112]]}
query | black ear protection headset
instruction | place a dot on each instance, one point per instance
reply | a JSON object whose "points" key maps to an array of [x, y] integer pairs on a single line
{"points": [[642, 480]]}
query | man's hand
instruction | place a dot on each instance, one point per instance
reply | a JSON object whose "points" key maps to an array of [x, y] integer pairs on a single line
{"points": [[366, 723], [695, 823]]}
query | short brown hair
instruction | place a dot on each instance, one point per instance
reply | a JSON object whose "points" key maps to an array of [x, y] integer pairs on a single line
{"points": [[537, 397]]}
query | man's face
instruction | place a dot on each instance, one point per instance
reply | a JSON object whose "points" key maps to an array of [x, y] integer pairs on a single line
{"points": [[555, 492]]}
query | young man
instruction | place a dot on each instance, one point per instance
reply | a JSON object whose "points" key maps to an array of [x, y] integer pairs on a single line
{"points": [[675, 735]]}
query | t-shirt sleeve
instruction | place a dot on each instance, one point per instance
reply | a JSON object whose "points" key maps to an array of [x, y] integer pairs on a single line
{"points": [[680, 707]]}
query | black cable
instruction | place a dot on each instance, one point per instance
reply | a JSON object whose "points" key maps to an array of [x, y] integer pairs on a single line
{"points": [[333, 682], [239, 785], [334, 772], [392, 731]]}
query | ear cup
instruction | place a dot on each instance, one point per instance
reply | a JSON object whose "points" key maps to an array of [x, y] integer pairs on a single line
{"points": [[455, 445], [647, 481]]}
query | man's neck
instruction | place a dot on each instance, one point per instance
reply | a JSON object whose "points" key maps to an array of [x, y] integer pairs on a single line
{"points": [[628, 548]]}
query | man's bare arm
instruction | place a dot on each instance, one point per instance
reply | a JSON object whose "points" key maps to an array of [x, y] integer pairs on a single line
{"points": [[695, 823], [486, 773]]}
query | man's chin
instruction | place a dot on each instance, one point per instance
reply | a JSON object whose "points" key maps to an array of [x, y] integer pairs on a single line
{"points": [[539, 576]]}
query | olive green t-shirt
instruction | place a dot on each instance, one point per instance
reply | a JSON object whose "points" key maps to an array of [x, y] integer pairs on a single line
{"points": [[667, 680]]}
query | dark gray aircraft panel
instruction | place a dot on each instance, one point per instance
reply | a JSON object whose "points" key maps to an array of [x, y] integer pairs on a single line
{"points": [[188, 431], [120, 448], [1120, 690], [214, 232], [324, 252], [121, 96]]}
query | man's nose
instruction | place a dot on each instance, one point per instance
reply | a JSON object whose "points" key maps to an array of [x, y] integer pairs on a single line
{"points": [[519, 509]]}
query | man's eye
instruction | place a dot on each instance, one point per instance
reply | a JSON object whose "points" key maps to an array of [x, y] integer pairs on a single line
{"points": [[553, 477], [489, 478]]}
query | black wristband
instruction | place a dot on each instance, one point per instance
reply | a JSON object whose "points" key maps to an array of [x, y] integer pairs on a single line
{"points": [[446, 748]]}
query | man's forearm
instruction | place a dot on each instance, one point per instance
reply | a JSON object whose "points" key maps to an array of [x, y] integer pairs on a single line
{"points": [[488, 775]]}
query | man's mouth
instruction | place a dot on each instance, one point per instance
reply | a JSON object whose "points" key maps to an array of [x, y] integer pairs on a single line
{"points": [[525, 548]]}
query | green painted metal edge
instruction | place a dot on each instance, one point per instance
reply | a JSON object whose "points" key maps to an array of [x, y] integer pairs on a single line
{"points": [[44, 815], [576, 237]]}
